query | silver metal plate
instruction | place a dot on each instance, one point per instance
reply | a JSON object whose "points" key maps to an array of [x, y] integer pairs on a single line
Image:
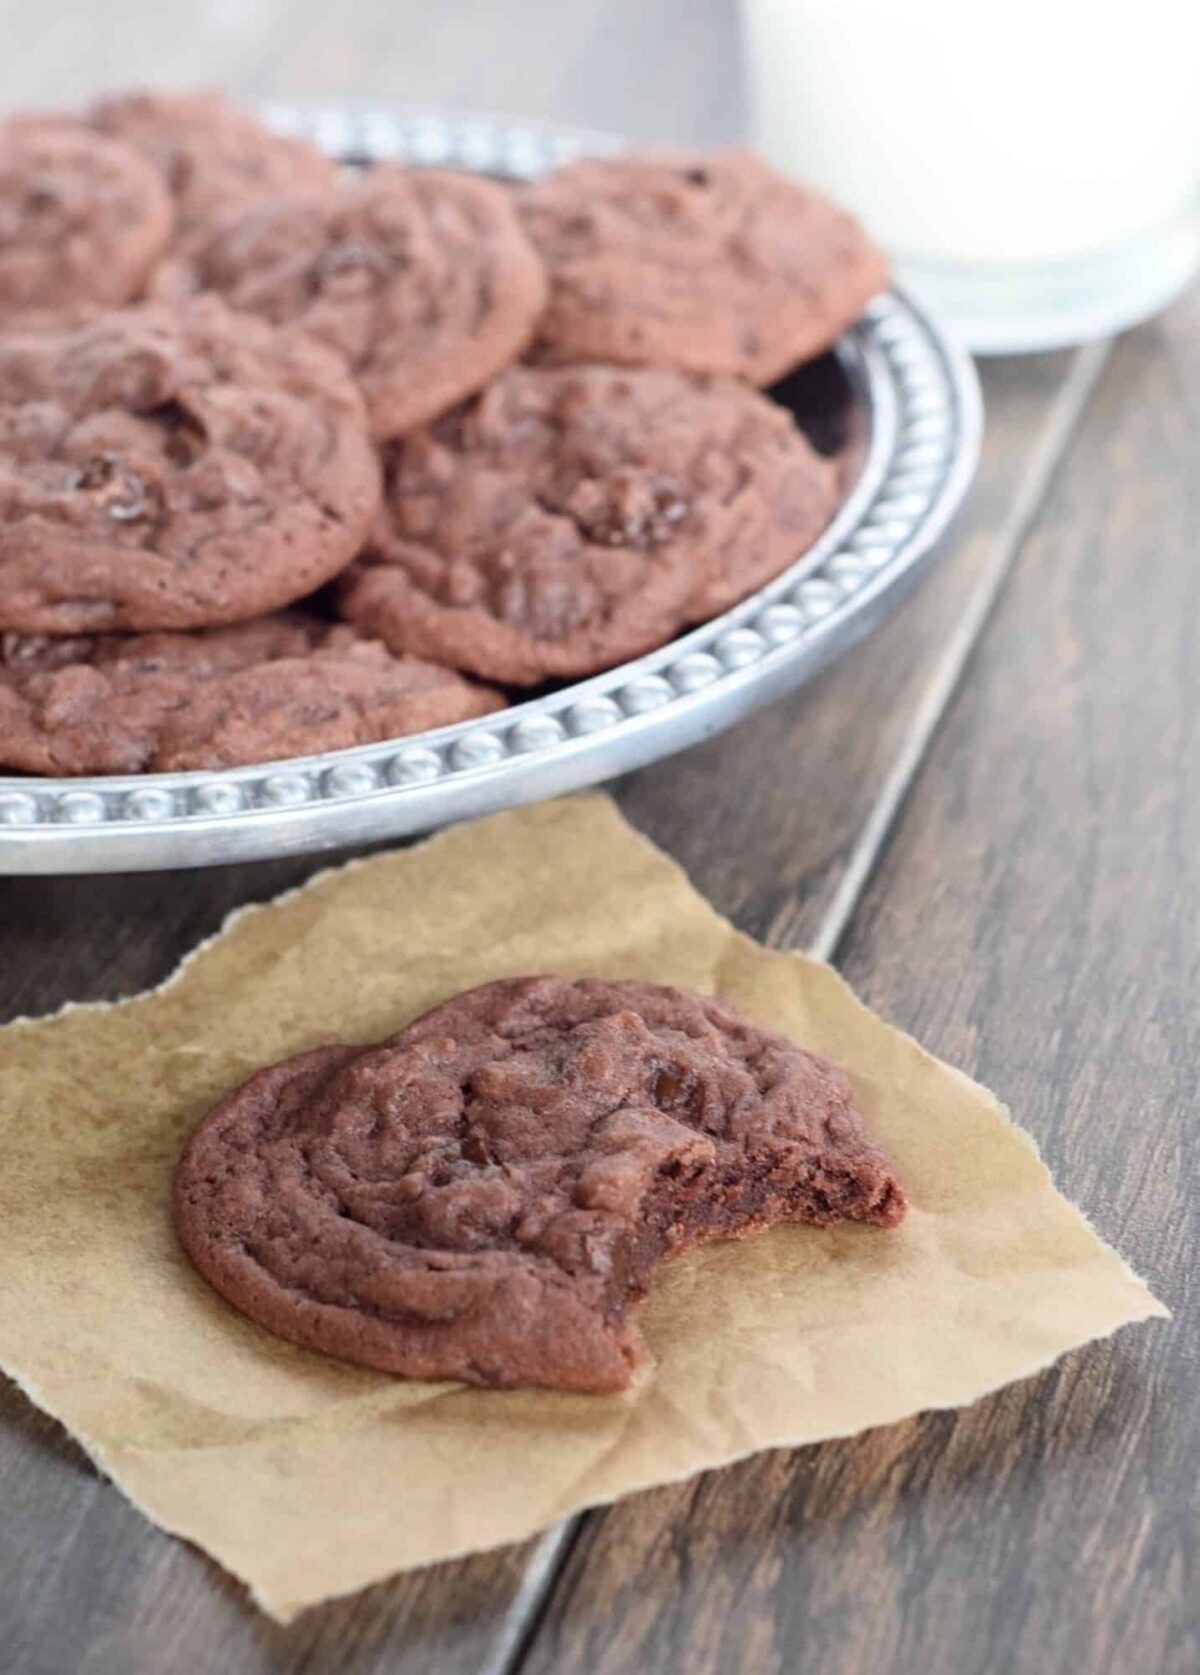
{"points": [[920, 400]]}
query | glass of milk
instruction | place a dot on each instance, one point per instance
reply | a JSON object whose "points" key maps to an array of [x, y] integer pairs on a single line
{"points": [[1032, 166]]}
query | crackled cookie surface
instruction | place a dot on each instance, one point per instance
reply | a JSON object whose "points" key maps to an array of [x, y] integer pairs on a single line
{"points": [[174, 467], [710, 264], [422, 279], [213, 157], [485, 1195], [285, 685], [83, 220], [570, 518]]}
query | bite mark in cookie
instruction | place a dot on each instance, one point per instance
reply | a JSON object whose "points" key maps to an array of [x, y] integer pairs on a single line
{"points": [[708, 264], [174, 467], [571, 518], [486, 1195]]}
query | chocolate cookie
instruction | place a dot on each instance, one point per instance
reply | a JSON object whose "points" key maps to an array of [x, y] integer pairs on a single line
{"points": [[287, 685], [422, 279], [709, 264], [214, 157], [486, 1194], [571, 518], [173, 467], [83, 220]]}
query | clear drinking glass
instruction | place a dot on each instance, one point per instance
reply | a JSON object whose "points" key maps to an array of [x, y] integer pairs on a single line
{"points": [[1033, 167]]}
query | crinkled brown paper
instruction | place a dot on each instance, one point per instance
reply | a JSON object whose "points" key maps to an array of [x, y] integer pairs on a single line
{"points": [[307, 1477]]}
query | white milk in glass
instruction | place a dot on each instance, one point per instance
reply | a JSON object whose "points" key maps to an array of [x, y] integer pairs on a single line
{"points": [[1033, 167]]}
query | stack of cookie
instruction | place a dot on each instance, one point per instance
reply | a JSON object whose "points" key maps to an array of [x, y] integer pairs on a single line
{"points": [[517, 429]]}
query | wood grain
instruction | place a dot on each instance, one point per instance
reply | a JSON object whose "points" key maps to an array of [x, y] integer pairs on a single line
{"points": [[1034, 919], [89, 1586], [769, 819]]}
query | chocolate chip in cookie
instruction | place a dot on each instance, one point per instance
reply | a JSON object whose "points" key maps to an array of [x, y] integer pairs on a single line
{"points": [[421, 279], [174, 467], [571, 518]]}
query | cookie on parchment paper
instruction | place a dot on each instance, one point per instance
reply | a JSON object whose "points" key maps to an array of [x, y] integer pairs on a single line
{"points": [[486, 1195]]}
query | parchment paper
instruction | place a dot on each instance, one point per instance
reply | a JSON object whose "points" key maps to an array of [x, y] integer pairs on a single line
{"points": [[308, 1478]]}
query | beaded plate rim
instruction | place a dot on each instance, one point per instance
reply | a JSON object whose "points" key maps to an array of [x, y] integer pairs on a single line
{"points": [[922, 401]]}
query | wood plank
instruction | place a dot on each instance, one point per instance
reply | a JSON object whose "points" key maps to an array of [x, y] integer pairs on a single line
{"points": [[777, 820], [89, 1585], [1035, 919]]}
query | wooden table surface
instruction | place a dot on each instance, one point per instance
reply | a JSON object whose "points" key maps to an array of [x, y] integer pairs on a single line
{"points": [[989, 816]]}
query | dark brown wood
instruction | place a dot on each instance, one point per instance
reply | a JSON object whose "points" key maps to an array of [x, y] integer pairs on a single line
{"points": [[1035, 919], [89, 1585], [771, 819]]}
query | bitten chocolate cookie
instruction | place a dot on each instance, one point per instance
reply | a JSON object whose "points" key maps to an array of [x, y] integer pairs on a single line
{"points": [[214, 157], [83, 220], [709, 264], [486, 1194], [286, 685], [422, 279], [174, 467], [571, 518]]}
